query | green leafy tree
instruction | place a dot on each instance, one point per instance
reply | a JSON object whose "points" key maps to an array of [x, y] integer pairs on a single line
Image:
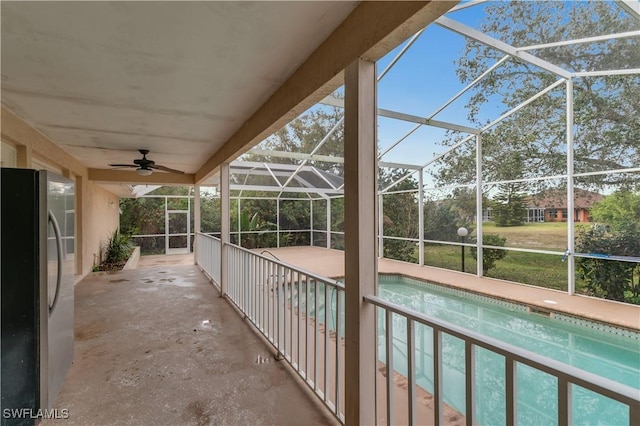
{"points": [[440, 221], [617, 209], [142, 216], [400, 215], [606, 108], [210, 215], [304, 134]]}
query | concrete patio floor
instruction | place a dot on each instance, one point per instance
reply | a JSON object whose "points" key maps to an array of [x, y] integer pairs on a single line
{"points": [[157, 345]]}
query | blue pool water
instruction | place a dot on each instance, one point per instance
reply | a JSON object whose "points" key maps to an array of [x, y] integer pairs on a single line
{"points": [[603, 353]]}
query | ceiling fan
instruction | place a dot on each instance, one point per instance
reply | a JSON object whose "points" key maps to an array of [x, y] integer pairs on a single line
{"points": [[144, 166]]}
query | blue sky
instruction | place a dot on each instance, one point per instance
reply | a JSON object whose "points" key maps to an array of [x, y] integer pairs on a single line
{"points": [[422, 81]]}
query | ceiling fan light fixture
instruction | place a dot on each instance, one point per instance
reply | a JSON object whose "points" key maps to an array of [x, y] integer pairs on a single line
{"points": [[144, 172]]}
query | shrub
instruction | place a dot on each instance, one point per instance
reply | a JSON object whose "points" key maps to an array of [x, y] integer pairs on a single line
{"points": [[490, 256], [610, 279], [116, 251]]}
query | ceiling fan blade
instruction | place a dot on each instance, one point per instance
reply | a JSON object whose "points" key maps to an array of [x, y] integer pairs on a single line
{"points": [[123, 165], [166, 169]]}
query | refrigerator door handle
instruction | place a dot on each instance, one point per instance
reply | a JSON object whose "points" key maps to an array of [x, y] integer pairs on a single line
{"points": [[56, 231]]}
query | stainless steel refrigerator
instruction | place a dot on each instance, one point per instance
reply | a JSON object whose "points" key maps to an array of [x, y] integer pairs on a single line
{"points": [[37, 280]]}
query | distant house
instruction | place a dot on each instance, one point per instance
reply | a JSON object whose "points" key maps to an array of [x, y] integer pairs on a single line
{"points": [[551, 205]]}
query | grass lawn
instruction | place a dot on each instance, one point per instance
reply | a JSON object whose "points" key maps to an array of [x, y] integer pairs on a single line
{"points": [[541, 236], [541, 270]]}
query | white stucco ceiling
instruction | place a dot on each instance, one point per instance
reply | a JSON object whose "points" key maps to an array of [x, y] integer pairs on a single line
{"points": [[103, 79]]}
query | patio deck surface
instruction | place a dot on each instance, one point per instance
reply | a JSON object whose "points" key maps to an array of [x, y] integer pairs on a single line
{"points": [[157, 345], [330, 263]]}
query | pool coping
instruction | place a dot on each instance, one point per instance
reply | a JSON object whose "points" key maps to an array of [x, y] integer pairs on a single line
{"points": [[510, 304], [330, 263]]}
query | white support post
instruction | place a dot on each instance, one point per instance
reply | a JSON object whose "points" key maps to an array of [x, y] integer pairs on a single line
{"points": [[328, 223], [479, 269], [166, 227], [189, 224], [196, 220], [361, 262], [225, 227], [239, 222], [571, 270], [421, 218], [311, 222], [278, 222], [380, 226]]}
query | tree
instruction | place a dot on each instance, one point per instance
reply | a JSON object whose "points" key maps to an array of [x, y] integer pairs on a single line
{"points": [[440, 221], [618, 208], [303, 134], [606, 108], [401, 215], [508, 206]]}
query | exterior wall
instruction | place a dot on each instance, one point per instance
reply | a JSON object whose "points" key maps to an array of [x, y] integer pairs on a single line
{"points": [[100, 218], [581, 215], [97, 210]]}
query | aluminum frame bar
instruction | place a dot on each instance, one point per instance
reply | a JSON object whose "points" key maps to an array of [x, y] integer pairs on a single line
{"points": [[631, 7], [410, 118], [446, 104], [427, 121], [484, 128], [466, 5], [480, 37], [470, 85], [580, 41], [606, 72]]}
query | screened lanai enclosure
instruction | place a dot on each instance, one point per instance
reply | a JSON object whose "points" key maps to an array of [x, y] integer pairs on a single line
{"points": [[518, 122], [524, 115], [508, 147]]}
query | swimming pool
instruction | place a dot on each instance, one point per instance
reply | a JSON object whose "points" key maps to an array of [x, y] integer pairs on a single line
{"points": [[597, 350]]}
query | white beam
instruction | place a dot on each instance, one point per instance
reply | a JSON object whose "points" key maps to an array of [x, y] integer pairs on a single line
{"points": [[632, 7], [494, 43], [333, 101], [580, 41], [606, 72], [297, 155], [391, 165], [426, 121], [467, 4], [266, 188]]}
